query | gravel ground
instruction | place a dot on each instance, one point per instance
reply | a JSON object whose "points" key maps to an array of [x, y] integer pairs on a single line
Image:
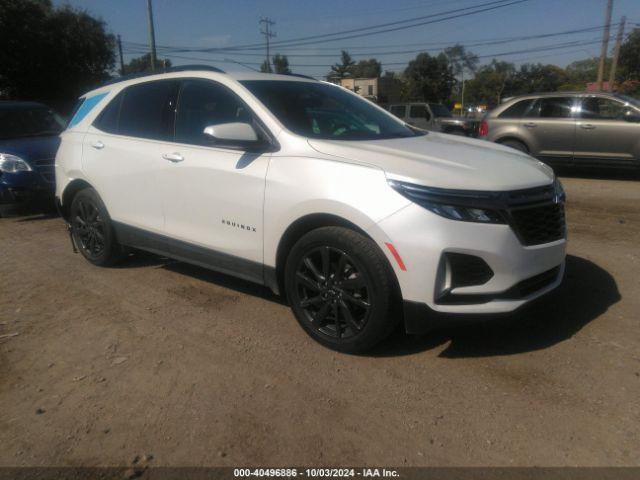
{"points": [[188, 367]]}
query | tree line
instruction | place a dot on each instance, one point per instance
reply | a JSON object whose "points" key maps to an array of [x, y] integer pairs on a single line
{"points": [[441, 77], [54, 54]]}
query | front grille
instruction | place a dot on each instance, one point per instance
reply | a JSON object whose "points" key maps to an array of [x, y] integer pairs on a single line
{"points": [[539, 224]]}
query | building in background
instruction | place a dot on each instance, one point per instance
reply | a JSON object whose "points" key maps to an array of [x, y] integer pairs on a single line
{"points": [[380, 90]]}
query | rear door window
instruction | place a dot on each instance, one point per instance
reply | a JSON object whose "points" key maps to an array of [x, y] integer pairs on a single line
{"points": [[148, 110], [418, 111], [552, 107], [107, 121]]}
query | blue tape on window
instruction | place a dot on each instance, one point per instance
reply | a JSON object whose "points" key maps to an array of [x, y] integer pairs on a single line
{"points": [[85, 108]]}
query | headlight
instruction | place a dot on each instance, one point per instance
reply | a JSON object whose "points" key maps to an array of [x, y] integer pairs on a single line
{"points": [[12, 164], [463, 205], [559, 191]]}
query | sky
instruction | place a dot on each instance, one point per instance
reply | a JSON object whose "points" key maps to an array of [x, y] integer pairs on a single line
{"points": [[227, 23]]}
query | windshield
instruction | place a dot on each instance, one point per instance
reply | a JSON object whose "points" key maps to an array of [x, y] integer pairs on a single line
{"points": [[632, 101], [439, 110], [324, 111], [29, 122]]}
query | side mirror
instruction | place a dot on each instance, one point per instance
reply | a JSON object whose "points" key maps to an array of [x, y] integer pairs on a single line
{"points": [[233, 134]]}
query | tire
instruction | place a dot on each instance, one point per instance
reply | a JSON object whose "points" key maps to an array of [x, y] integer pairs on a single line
{"points": [[341, 289], [516, 144], [92, 229]]}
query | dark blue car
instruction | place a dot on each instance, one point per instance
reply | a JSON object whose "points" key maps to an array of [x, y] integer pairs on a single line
{"points": [[28, 144]]}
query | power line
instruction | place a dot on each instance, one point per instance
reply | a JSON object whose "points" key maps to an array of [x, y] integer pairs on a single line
{"points": [[395, 26], [467, 45], [544, 48]]}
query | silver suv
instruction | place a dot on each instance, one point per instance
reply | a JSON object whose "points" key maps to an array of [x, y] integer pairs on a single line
{"points": [[569, 128], [434, 116]]}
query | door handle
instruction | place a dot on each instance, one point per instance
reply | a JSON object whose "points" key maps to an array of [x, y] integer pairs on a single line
{"points": [[173, 157], [587, 126], [531, 125], [98, 145]]}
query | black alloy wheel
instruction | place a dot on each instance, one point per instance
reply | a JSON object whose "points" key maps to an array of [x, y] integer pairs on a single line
{"points": [[333, 292], [92, 229], [89, 228], [342, 289]]}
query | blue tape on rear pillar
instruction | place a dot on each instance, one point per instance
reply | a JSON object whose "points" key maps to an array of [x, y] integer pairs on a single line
{"points": [[85, 108]]}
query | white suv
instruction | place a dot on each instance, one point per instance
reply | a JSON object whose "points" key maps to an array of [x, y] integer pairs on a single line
{"points": [[361, 220]]}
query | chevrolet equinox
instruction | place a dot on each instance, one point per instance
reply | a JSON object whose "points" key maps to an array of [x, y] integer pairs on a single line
{"points": [[361, 220]]}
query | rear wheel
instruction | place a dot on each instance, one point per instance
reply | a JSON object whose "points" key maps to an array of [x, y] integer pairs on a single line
{"points": [[92, 229], [341, 289], [516, 145]]}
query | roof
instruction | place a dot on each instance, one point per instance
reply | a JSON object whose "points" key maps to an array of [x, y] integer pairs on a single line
{"points": [[182, 69], [555, 94]]}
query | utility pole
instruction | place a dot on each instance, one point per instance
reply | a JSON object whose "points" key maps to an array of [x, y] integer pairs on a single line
{"points": [[268, 34], [605, 43], [616, 53], [462, 95], [152, 37], [120, 52]]}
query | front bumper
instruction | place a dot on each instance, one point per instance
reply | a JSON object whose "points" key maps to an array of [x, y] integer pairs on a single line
{"points": [[22, 187], [422, 239]]}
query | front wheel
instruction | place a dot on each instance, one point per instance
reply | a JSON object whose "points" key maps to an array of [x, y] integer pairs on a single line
{"points": [[341, 289]]}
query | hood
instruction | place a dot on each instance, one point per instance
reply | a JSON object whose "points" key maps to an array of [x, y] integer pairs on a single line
{"points": [[31, 148], [444, 161]]}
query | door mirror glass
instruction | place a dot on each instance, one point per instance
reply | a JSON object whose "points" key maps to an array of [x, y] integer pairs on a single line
{"points": [[235, 132]]}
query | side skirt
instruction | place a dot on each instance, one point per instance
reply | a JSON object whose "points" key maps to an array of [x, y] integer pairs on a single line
{"points": [[186, 252]]}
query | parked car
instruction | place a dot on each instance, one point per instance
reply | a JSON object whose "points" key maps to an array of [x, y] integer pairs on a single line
{"points": [[569, 128], [29, 139], [435, 117], [360, 220]]}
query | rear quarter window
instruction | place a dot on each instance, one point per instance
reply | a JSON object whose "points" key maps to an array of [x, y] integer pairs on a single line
{"points": [[517, 110]]}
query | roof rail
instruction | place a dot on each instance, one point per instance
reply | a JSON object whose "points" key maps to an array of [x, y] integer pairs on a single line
{"points": [[179, 68], [301, 76]]}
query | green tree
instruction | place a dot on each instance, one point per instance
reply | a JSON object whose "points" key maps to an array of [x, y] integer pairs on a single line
{"points": [[51, 54], [463, 64], [281, 64], [429, 78], [265, 67], [371, 68], [584, 71], [629, 60], [492, 83], [143, 64], [342, 69], [535, 77]]}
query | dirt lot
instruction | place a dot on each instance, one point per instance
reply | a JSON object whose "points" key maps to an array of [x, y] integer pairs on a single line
{"points": [[194, 368]]}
